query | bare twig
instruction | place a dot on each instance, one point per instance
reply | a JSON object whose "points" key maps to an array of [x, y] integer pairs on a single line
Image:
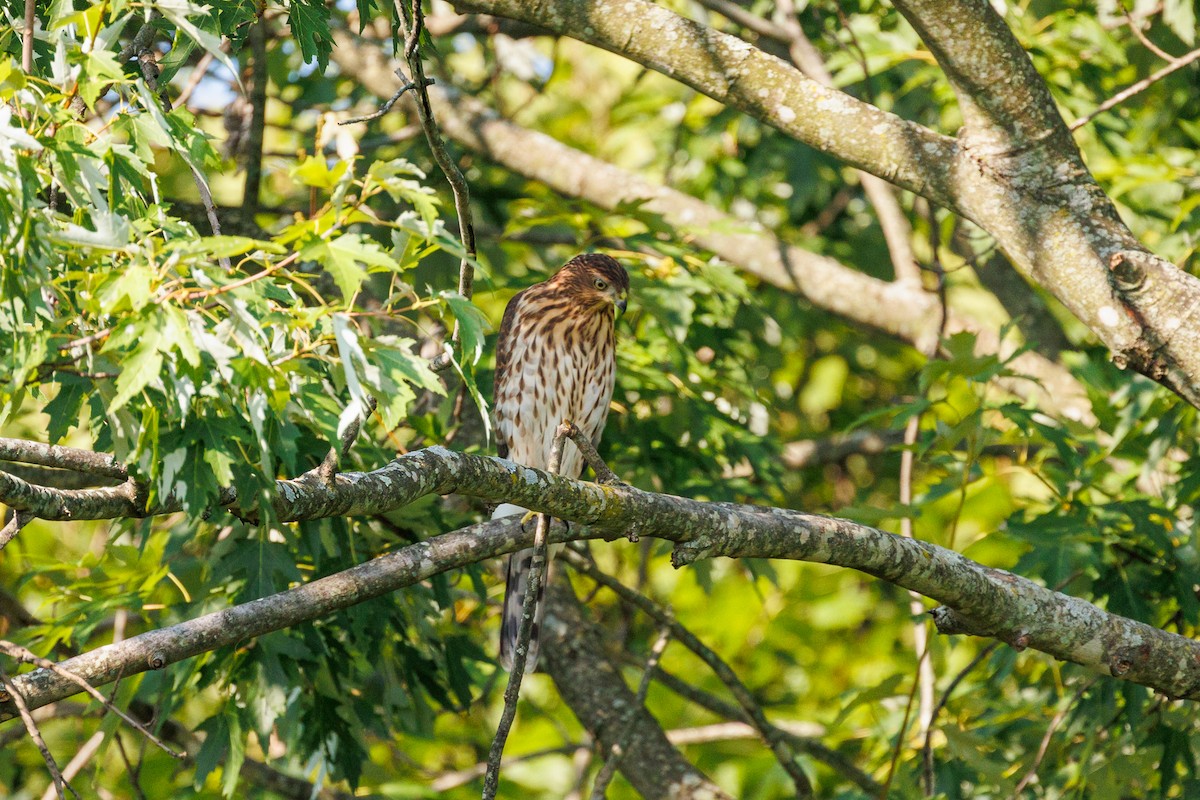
{"points": [[78, 761], [258, 115], [336, 455], [386, 105], [198, 73], [815, 452], [150, 73], [775, 739], [604, 475], [897, 232], [746, 19], [21, 654], [19, 520], [1050, 731], [927, 747], [1120, 97], [27, 36], [717, 731], [35, 734], [1135, 25], [452, 780], [537, 567], [458, 184], [600, 787], [925, 677]]}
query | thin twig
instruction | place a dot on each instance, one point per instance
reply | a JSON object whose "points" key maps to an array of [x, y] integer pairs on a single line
{"points": [[452, 780], [258, 116], [600, 787], [458, 184], [512, 691], [1045, 744], [1128, 92], [27, 36], [604, 475], [78, 761], [35, 734], [23, 655], [775, 739], [9, 532], [897, 231], [150, 73], [133, 769], [925, 680], [198, 73], [746, 19], [336, 455], [1135, 25], [386, 105]]}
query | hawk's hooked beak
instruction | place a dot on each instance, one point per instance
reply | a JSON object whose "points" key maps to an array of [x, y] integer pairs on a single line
{"points": [[621, 303]]}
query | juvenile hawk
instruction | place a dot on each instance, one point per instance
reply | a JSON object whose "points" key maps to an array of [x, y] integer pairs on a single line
{"points": [[555, 360]]}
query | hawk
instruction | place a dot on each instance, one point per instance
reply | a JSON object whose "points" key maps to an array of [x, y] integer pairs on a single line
{"points": [[555, 361]]}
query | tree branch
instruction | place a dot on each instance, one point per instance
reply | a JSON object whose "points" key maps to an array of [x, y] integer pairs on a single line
{"points": [[51, 455], [588, 682], [732, 71], [776, 740], [985, 601], [1015, 171], [901, 310]]}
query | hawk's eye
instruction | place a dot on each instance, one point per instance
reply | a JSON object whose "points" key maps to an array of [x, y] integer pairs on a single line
{"points": [[600, 284]]}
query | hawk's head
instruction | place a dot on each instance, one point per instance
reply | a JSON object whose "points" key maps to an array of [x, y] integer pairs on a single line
{"points": [[596, 281]]}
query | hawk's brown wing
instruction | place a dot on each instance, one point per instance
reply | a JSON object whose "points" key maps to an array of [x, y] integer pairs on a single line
{"points": [[504, 366]]}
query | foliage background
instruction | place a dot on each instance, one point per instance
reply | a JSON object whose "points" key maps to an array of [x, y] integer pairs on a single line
{"points": [[121, 330]]}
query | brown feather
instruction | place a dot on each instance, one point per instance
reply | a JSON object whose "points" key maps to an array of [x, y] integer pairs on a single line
{"points": [[555, 360]]}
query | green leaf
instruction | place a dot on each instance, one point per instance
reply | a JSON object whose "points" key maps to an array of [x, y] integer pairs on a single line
{"points": [[472, 324], [139, 369], [1180, 16], [310, 27], [342, 257], [63, 410], [315, 171]]}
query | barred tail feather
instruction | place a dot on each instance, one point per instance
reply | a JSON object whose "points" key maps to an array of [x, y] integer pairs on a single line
{"points": [[519, 564]]}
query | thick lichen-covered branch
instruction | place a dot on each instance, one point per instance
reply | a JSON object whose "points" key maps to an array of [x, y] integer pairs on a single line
{"points": [[1024, 184], [999, 603], [901, 310], [734, 72]]}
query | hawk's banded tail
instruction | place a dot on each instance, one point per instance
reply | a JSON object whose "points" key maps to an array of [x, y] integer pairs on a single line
{"points": [[519, 564]]}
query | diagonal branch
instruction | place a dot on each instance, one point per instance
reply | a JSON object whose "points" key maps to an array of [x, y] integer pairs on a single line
{"points": [[901, 310], [776, 739], [1135, 88], [1014, 171], [520, 656], [593, 687], [730, 70]]}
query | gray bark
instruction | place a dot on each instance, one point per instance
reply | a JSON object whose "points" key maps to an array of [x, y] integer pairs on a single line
{"points": [[1014, 170], [900, 309], [983, 600]]}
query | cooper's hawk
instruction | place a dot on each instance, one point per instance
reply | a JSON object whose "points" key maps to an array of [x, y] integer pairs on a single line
{"points": [[555, 360]]}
